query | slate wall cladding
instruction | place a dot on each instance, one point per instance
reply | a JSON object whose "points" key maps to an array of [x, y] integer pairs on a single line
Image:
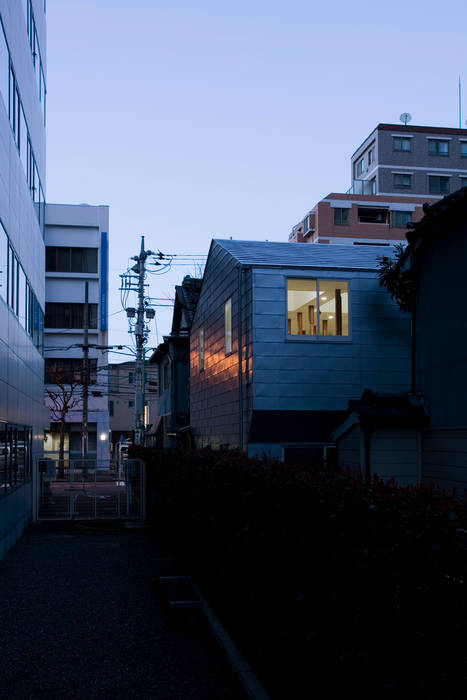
{"points": [[214, 392], [279, 372], [308, 374]]}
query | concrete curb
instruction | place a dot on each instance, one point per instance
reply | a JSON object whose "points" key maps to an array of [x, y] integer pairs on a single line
{"points": [[248, 679]]}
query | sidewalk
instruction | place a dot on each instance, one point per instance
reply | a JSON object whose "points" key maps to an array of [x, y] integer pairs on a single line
{"points": [[78, 619]]}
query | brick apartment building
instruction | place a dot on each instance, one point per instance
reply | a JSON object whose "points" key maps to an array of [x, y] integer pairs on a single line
{"points": [[393, 172]]}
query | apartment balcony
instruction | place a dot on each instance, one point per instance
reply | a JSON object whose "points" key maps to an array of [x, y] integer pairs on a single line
{"points": [[362, 187]]}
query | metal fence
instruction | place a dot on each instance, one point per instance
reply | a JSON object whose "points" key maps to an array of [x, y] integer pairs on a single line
{"points": [[78, 490]]}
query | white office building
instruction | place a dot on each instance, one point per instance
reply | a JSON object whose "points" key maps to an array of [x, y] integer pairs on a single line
{"points": [[76, 238], [22, 255]]}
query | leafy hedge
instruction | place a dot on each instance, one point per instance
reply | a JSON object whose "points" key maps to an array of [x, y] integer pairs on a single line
{"points": [[327, 582]]}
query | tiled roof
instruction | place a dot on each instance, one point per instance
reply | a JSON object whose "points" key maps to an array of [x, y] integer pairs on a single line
{"points": [[322, 256]]}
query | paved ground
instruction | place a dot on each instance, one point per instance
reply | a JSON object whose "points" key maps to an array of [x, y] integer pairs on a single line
{"points": [[79, 620]]}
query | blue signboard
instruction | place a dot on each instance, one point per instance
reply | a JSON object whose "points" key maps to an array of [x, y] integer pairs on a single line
{"points": [[104, 278]]}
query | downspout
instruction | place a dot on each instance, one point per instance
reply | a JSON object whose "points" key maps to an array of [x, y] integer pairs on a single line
{"points": [[240, 357], [413, 308]]}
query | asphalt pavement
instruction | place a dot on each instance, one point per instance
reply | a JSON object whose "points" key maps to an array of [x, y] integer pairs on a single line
{"points": [[79, 619]]}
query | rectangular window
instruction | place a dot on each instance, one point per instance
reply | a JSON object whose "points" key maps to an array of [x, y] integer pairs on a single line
{"points": [[402, 181], [400, 219], [3, 264], [68, 315], [317, 307], [463, 149], [111, 408], [4, 68], [68, 370], [21, 296], [438, 184], [62, 259], [399, 143], [371, 155], [201, 349], [131, 377], [131, 404], [341, 216], [228, 326], [372, 215], [463, 183], [436, 147]]}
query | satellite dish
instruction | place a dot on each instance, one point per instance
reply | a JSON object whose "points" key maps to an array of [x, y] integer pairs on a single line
{"points": [[405, 118]]}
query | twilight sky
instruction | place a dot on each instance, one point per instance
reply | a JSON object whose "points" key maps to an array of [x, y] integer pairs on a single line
{"points": [[202, 119]]}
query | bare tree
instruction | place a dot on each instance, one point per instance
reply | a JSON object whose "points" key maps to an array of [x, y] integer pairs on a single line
{"points": [[64, 398]]}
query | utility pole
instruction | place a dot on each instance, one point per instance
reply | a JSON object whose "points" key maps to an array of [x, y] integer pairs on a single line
{"points": [[85, 377], [140, 336]]}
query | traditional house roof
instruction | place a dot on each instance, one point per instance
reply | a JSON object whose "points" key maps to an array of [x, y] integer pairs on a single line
{"points": [[439, 217]]}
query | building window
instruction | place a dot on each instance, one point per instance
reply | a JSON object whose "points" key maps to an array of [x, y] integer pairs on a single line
{"points": [[436, 147], [131, 404], [68, 370], [463, 183], [228, 326], [372, 215], [399, 143], [438, 184], [463, 149], [131, 377], [402, 181], [400, 219], [341, 216], [317, 307], [68, 315], [62, 259], [360, 167], [111, 408], [371, 155], [15, 457], [201, 348]]}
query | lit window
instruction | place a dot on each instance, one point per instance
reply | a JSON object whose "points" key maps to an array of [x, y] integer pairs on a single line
{"points": [[438, 184], [228, 326], [436, 147], [400, 219], [402, 181], [400, 143], [341, 216], [201, 349], [317, 307]]}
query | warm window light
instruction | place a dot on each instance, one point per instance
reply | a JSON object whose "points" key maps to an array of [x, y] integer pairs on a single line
{"points": [[323, 298], [103, 437]]}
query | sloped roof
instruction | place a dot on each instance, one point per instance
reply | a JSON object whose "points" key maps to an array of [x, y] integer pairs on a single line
{"points": [[186, 298], [305, 255]]}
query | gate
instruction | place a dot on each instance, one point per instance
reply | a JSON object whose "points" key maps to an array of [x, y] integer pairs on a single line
{"points": [[78, 490]]}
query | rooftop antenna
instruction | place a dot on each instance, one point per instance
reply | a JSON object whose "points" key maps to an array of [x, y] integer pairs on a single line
{"points": [[460, 104], [405, 118]]}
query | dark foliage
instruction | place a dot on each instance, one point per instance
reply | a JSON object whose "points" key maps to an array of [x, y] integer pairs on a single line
{"points": [[396, 282], [329, 583]]}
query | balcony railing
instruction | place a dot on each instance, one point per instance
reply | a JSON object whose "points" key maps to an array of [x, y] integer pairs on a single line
{"points": [[362, 187]]}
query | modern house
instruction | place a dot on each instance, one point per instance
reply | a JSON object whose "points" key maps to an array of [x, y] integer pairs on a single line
{"points": [[435, 262], [172, 357], [76, 239], [122, 401], [282, 337], [22, 259], [394, 170]]}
